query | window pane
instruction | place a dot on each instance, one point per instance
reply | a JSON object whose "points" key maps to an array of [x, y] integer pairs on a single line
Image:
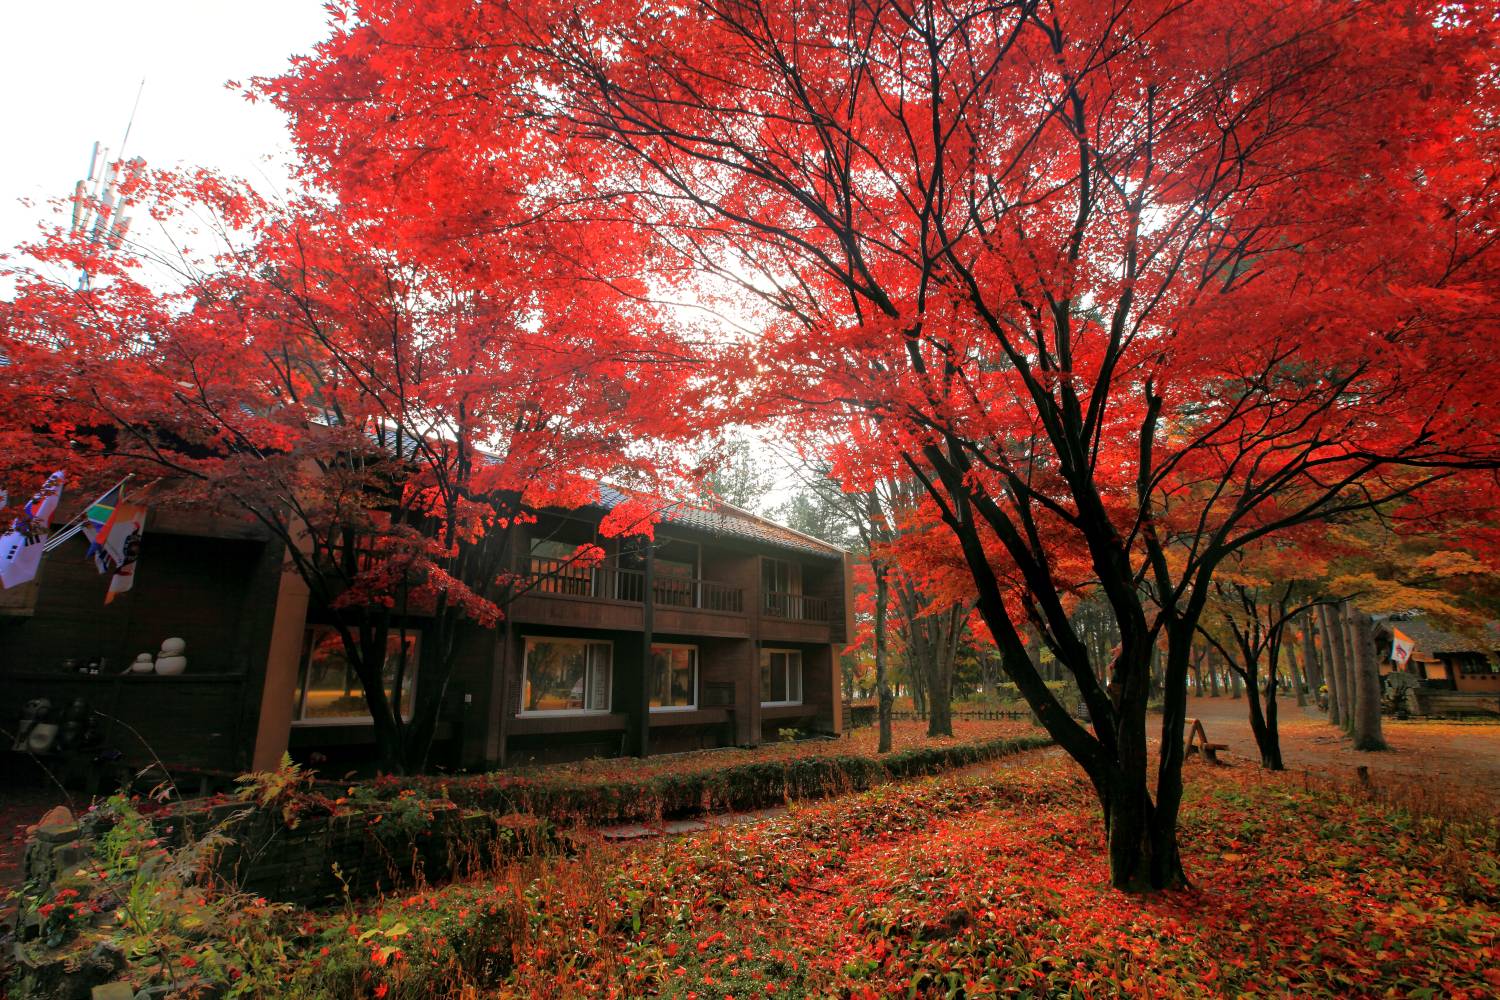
{"points": [[765, 675], [794, 677], [599, 676], [673, 583], [566, 676], [556, 676], [561, 568], [393, 663], [328, 687], [674, 680]]}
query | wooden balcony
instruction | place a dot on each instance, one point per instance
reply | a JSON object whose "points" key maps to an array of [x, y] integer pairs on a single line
{"points": [[796, 607], [567, 592], [788, 617]]}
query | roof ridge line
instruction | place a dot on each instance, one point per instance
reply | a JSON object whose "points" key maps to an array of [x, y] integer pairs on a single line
{"points": [[782, 527]]}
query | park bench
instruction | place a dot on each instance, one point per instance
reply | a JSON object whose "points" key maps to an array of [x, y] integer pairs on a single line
{"points": [[1198, 742]]}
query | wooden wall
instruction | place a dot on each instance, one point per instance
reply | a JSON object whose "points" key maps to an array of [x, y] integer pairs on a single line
{"points": [[217, 593]]}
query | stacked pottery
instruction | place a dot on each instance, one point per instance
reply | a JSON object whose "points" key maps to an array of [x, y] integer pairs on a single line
{"points": [[42, 733], [171, 661], [144, 664]]}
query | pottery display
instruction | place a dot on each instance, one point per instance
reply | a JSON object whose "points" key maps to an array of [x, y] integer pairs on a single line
{"points": [[42, 737], [144, 664], [170, 666], [170, 661]]}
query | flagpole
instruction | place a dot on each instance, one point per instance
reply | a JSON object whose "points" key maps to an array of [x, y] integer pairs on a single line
{"points": [[75, 525]]}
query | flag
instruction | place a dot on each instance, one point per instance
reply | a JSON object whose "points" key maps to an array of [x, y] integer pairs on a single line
{"points": [[92, 518], [1402, 647], [96, 524], [100, 510], [122, 546], [21, 546]]}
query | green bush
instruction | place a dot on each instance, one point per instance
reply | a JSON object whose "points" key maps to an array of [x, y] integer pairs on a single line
{"points": [[614, 799]]}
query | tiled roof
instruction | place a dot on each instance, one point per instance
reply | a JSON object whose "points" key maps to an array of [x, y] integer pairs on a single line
{"points": [[1431, 639], [727, 521]]}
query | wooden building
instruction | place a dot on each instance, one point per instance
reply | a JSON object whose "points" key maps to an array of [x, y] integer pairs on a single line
{"points": [[735, 640], [1443, 660]]}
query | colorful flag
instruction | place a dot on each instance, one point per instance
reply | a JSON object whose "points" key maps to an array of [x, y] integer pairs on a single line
{"points": [[116, 544], [1402, 647], [96, 524], [21, 547], [99, 511], [92, 518]]}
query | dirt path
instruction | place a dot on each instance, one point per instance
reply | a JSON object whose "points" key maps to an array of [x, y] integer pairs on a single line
{"points": [[1460, 756]]}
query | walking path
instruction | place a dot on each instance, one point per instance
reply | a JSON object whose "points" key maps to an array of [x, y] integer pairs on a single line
{"points": [[1462, 757]]}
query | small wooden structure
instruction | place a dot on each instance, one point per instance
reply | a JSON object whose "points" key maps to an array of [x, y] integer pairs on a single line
{"points": [[1198, 742]]}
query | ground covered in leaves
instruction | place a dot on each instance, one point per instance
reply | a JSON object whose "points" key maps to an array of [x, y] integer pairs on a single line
{"points": [[905, 735], [987, 884]]}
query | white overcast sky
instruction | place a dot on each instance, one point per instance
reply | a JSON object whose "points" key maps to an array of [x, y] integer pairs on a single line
{"points": [[69, 73]]}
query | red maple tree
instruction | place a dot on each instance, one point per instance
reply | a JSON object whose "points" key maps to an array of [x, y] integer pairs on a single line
{"points": [[1138, 282], [389, 417]]}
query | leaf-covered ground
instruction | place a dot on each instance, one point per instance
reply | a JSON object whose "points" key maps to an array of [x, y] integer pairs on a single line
{"points": [[988, 884], [1459, 757], [905, 735]]}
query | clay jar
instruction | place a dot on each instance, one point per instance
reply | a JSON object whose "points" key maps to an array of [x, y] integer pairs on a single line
{"points": [[171, 660]]}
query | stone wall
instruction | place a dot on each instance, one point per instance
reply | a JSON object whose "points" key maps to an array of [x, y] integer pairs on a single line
{"points": [[321, 859]]}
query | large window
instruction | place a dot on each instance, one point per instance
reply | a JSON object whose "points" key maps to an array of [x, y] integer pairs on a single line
{"points": [[565, 676], [328, 690], [780, 677], [674, 677], [781, 588], [561, 568]]}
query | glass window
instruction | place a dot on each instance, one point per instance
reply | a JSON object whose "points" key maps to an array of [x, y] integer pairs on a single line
{"points": [[563, 567], [328, 689], [565, 675], [674, 677], [780, 677], [782, 586]]}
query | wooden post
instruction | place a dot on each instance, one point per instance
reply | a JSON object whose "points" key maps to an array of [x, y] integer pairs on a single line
{"points": [[648, 602]]}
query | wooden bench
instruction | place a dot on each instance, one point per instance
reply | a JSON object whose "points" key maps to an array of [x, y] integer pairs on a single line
{"points": [[1198, 742]]}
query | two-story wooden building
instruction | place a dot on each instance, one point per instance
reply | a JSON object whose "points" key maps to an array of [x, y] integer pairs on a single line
{"points": [[723, 631]]}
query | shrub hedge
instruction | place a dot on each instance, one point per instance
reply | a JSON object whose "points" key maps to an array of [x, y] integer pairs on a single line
{"points": [[597, 799]]}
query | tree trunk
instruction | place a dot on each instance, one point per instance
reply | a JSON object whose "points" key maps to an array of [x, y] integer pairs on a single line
{"points": [[1213, 675], [1143, 852], [1333, 648], [1346, 679], [882, 682], [1367, 726], [1263, 723], [943, 645], [1291, 662], [1234, 681], [1310, 665]]}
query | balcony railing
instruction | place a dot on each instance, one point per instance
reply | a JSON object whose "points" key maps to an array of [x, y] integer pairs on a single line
{"points": [[572, 579], [796, 607]]}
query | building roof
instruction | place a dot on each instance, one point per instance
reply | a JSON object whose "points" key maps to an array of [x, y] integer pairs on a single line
{"points": [[714, 517], [1432, 640]]}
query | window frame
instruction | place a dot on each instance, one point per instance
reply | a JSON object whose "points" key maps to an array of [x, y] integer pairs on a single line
{"points": [[697, 669], [522, 712], [304, 664], [801, 662]]}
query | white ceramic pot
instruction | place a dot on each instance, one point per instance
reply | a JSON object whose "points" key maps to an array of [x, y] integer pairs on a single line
{"points": [[41, 737], [143, 664], [173, 647], [170, 666]]}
